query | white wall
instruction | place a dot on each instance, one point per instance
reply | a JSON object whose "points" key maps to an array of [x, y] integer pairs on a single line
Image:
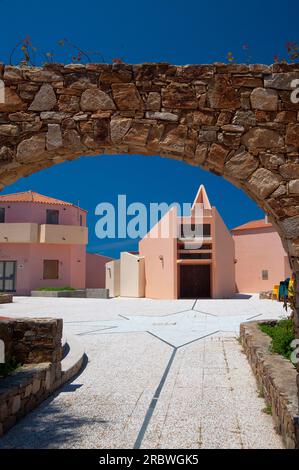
{"points": [[132, 275], [113, 278]]}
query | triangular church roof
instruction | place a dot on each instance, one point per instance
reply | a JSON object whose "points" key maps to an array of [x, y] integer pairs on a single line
{"points": [[202, 198]]}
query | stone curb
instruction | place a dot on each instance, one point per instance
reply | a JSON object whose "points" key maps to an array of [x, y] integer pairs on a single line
{"points": [[72, 363], [29, 386]]}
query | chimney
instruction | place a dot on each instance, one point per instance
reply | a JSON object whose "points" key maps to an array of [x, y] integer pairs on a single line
{"points": [[266, 219]]}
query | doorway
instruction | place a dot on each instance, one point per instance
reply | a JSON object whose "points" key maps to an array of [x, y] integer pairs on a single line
{"points": [[195, 281], [7, 276]]}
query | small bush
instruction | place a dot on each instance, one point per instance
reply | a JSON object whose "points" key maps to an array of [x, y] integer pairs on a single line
{"points": [[8, 367], [261, 393], [282, 335], [267, 410], [55, 289]]}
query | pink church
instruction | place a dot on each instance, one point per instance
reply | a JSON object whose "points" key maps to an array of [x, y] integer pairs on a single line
{"points": [[43, 244], [179, 267]]}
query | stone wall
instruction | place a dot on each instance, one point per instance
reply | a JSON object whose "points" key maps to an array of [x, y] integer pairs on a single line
{"points": [[6, 298], [23, 391], [36, 344], [235, 120], [276, 379], [32, 340]]}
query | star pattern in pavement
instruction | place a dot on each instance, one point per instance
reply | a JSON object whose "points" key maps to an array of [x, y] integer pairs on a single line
{"points": [[176, 329]]}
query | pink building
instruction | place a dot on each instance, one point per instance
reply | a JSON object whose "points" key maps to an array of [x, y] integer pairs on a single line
{"points": [[261, 260], [184, 266], [43, 244], [95, 270]]}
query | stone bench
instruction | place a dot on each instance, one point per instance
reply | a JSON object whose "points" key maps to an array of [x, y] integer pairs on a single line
{"points": [[78, 293]]}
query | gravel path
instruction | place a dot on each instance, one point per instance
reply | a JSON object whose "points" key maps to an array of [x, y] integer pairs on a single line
{"points": [[160, 374]]}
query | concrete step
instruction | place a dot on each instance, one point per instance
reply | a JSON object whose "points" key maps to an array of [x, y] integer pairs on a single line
{"points": [[72, 358]]}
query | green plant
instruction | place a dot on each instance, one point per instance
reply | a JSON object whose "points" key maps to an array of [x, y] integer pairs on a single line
{"points": [[8, 367], [245, 57], [282, 334], [55, 289], [230, 57], [27, 50], [267, 409], [78, 54], [24, 53], [261, 393], [293, 50]]}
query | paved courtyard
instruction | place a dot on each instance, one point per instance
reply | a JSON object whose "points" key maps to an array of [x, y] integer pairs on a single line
{"points": [[160, 374]]}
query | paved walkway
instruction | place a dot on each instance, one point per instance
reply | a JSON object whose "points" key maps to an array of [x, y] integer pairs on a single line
{"points": [[161, 374]]}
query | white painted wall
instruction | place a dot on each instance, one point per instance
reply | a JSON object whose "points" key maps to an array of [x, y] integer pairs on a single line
{"points": [[113, 278], [132, 275]]}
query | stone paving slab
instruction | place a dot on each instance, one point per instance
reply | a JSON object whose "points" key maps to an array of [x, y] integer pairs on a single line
{"points": [[206, 393]]}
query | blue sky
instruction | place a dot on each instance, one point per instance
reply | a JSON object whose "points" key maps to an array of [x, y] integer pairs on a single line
{"points": [[158, 30]]}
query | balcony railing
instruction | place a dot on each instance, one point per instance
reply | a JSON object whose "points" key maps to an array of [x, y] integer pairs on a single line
{"points": [[18, 232]]}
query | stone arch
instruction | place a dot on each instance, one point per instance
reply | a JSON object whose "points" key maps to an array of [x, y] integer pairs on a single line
{"points": [[235, 120]]}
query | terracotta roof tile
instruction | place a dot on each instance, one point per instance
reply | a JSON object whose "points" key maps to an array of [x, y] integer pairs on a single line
{"points": [[253, 224], [31, 196]]}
